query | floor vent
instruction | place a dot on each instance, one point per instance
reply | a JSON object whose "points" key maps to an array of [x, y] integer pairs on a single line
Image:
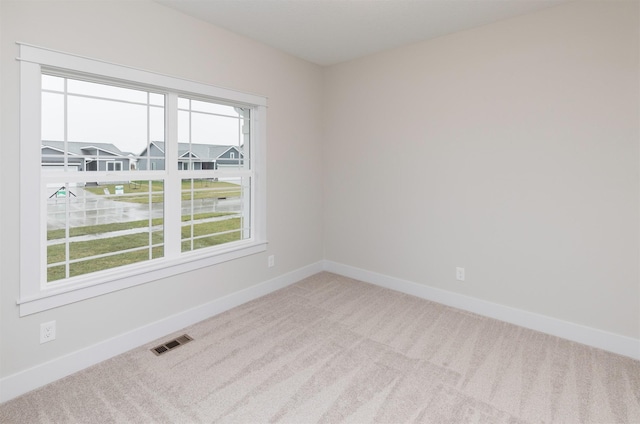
{"points": [[170, 345]]}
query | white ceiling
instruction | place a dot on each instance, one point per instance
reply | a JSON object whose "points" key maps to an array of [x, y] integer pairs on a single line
{"points": [[327, 32]]}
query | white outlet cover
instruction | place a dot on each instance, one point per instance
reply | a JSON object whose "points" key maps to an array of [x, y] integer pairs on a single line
{"points": [[47, 331]]}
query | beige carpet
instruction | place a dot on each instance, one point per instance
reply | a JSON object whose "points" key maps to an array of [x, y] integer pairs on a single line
{"points": [[333, 350]]}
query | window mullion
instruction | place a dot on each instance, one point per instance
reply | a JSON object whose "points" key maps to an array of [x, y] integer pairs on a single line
{"points": [[172, 184]]}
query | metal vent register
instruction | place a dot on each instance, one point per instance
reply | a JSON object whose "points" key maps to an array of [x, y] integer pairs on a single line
{"points": [[170, 345]]}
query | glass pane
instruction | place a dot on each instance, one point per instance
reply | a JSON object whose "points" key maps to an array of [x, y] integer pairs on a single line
{"points": [[183, 103], [212, 142], [52, 116], [213, 212], [102, 134], [152, 158], [156, 99], [123, 125], [214, 129], [106, 91], [50, 82], [97, 226], [184, 126], [156, 123], [208, 107]]}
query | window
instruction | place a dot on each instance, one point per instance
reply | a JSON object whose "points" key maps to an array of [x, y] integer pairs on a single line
{"points": [[206, 131], [102, 209], [114, 165], [96, 221]]}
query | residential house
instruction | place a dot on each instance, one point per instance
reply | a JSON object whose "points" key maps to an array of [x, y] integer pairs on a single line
{"points": [[192, 156], [85, 156]]}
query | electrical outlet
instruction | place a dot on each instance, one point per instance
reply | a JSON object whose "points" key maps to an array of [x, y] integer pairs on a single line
{"points": [[271, 261], [459, 273], [47, 331]]}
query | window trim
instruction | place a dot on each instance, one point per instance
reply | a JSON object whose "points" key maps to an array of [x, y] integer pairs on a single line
{"points": [[35, 298]]}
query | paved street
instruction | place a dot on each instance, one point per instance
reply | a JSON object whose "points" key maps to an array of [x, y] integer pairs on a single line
{"points": [[91, 209]]}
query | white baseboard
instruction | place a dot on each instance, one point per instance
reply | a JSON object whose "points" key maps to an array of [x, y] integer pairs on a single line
{"points": [[42, 374], [611, 342]]}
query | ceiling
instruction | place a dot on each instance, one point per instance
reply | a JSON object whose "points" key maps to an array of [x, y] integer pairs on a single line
{"points": [[327, 32]]}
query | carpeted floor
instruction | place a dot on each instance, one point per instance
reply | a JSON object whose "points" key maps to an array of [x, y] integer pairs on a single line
{"points": [[334, 350]]}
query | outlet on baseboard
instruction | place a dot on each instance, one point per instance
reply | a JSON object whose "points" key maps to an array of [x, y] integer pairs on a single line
{"points": [[459, 273], [47, 331]]}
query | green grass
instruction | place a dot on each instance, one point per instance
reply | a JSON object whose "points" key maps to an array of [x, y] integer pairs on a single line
{"points": [[138, 191], [102, 228], [210, 241], [204, 229], [85, 267], [207, 227], [108, 228], [83, 249]]}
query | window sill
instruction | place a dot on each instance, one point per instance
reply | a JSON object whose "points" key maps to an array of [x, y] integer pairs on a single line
{"points": [[118, 279]]}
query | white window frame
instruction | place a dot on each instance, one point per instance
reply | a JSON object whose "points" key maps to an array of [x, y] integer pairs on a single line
{"points": [[35, 295]]}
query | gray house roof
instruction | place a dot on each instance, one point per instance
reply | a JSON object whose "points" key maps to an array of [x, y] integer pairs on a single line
{"points": [[200, 151], [82, 148]]}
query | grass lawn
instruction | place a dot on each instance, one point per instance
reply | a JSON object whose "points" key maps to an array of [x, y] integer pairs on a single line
{"points": [[108, 228], [232, 225], [80, 268], [83, 249], [138, 191]]}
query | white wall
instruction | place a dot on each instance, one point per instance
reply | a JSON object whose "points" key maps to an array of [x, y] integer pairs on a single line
{"points": [[149, 36], [510, 150]]}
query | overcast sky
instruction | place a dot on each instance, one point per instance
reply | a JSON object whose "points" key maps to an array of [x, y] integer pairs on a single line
{"points": [[106, 114]]}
